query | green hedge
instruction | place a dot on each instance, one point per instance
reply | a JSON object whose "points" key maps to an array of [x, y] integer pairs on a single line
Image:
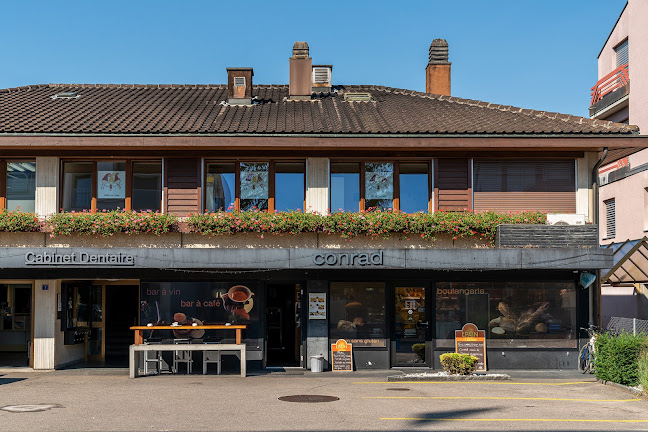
{"points": [[617, 357], [458, 364], [643, 370]]}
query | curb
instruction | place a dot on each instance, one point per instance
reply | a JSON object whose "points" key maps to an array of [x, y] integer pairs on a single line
{"points": [[499, 377], [623, 387]]}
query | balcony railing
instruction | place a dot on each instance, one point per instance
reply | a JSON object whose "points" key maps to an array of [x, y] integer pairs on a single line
{"points": [[618, 78]]}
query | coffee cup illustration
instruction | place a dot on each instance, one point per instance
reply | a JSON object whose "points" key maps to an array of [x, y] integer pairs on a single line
{"points": [[239, 293]]}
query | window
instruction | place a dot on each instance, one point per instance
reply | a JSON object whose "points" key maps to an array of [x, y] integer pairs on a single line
{"points": [[271, 185], [621, 51], [610, 219], [15, 307], [111, 185], [357, 313], [357, 186], [518, 185], [20, 185], [514, 314]]}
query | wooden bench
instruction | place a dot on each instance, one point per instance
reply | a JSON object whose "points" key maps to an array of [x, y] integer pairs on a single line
{"points": [[135, 350]]}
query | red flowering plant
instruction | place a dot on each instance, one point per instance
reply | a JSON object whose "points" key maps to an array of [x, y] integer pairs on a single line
{"points": [[17, 221], [108, 223], [373, 223]]}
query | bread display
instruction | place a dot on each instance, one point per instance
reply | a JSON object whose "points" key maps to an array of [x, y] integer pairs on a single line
{"points": [[530, 320]]}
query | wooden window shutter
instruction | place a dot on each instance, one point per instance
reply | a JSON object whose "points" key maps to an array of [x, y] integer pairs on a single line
{"points": [[519, 185], [183, 186], [452, 185]]}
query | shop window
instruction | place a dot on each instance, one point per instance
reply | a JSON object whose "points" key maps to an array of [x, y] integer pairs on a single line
{"points": [[357, 313], [273, 186], [514, 314], [18, 185], [111, 185], [15, 307], [380, 185]]}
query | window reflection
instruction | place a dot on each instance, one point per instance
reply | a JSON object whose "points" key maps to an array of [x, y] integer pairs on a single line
{"points": [[357, 313], [21, 186], [220, 183], [77, 186], [345, 187], [147, 186], [289, 186], [414, 187]]}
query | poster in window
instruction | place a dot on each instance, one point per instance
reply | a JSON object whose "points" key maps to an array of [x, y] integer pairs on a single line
{"points": [[379, 181], [254, 181], [111, 184], [316, 305]]}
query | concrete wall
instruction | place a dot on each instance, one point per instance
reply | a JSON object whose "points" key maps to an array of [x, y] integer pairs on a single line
{"points": [[317, 185], [46, 181], [584, 194], [44, 319]]}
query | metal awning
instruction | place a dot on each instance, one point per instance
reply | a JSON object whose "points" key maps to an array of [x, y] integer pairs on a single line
{"points": [[630, 263]]}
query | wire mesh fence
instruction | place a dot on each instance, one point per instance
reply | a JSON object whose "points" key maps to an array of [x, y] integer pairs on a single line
{"points": [[618, 325]]}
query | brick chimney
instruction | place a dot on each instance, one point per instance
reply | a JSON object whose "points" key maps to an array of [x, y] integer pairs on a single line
{"points": [[437, 73], [239, 85], [301, 67]]}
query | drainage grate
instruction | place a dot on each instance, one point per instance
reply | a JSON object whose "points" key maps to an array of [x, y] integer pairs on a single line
{"points": [[30, 408], [308, 398], [398, 389]]}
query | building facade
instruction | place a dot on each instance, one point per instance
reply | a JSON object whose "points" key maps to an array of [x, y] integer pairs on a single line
{"points": [[315, 147], [620, 95]]}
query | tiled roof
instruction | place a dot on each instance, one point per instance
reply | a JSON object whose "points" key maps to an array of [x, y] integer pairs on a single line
{"points": [[202, 109]]}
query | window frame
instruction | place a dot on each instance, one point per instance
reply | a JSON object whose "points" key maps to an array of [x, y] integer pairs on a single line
{"points": [[128, 193], [3, 179], [396, 204], [237, 179]]}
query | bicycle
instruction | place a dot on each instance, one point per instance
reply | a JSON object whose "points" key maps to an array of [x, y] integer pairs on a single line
{"points": [[586, 355]]}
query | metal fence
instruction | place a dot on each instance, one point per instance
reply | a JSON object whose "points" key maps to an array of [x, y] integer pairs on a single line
{"points": [[618, 325]]}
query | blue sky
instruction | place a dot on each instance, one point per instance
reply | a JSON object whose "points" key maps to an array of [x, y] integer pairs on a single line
{"points": [[537, 54]]}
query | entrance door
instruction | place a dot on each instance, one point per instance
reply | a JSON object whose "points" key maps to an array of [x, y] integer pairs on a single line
{"points": [[96, 323], [122, 308], [283, 331], [410, 326]]}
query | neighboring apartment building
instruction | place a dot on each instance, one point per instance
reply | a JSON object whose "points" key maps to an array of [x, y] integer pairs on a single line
{"points": [[310, 145], [620, 95]]}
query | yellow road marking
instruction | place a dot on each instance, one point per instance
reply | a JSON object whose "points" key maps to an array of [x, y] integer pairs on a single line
{"points": [[474, 382], [514, 420], [500, 398]]}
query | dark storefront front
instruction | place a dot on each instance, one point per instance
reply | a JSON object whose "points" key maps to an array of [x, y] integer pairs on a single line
{"points": [[394, 310]]}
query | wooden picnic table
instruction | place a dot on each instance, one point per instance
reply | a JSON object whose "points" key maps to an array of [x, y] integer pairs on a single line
{"points": [[139, 330]]}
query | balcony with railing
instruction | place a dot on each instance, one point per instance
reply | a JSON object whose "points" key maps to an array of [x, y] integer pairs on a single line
{"points": [[610, 90]]}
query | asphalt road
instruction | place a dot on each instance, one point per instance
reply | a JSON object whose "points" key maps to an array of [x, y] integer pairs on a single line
{"points": [[107, 400]]}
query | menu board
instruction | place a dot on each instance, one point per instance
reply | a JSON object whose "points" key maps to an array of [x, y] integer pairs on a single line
{"points": [[316, 305], [471, 340], [341, 356]]}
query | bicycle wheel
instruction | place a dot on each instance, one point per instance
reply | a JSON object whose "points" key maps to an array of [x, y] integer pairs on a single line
{"points": [[584, 359]]}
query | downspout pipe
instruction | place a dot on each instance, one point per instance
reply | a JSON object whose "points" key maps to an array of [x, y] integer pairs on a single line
{"points": [[596, 220]]}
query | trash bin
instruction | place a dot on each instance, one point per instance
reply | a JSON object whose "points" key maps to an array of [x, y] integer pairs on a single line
{"points": [[317, 363]]}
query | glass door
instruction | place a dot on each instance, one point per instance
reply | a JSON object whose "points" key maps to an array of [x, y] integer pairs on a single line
{"points": [[410, 326], [95, 318]]}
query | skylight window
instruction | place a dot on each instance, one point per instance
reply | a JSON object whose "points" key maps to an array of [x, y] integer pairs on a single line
{"points": [[66, 95]]}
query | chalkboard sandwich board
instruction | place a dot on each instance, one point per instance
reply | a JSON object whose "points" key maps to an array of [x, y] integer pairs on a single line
{"points": [[342, 356], [471, 340]]}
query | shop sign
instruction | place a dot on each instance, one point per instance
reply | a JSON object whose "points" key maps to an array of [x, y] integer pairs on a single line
{"points": [[79, 258], [349, 259], [341, 356], [470, 340], [316, 306]]}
